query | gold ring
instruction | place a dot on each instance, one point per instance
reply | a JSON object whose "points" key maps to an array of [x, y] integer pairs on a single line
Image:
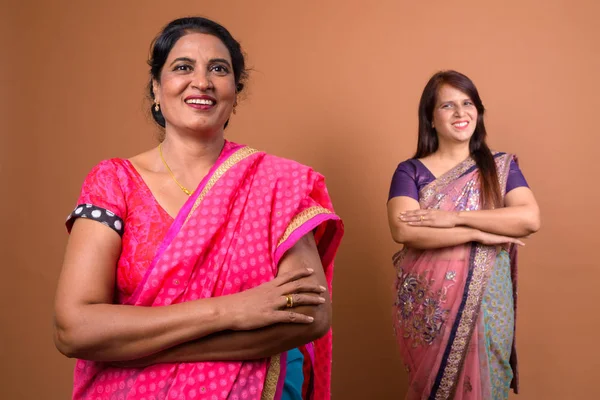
{"points": [[289, 301]]}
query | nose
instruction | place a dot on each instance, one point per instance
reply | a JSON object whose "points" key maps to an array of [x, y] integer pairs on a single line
{"points": [[459, 111], [202, 81]]}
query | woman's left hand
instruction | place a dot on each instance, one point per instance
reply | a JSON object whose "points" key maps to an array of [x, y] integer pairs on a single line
{"points": [[430, 218]]}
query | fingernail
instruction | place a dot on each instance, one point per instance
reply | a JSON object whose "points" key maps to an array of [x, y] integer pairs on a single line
{"points": [[310, 270], [310, 319], [323, 288], [322, 299]]}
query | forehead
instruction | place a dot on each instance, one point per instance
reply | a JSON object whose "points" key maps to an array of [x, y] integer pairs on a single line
{"points": [[199, 46], [449, 93]]}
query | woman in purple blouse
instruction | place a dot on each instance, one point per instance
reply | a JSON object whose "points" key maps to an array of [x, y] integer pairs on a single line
{"points": [[460, 211]]}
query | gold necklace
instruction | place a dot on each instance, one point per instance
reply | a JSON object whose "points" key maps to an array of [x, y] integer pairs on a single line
{"points": [[185, 190]]}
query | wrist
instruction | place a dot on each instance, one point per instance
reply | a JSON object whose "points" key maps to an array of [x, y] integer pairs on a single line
{"points": [[225, 313], [458, 218], [215, 315], [475, 235]]}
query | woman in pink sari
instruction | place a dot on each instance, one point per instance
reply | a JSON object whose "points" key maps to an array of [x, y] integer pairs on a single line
{"points": [[460, 211], [200, 269]]}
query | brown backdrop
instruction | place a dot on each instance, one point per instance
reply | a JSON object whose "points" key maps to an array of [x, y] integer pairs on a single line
{"points": [[335, 85]]}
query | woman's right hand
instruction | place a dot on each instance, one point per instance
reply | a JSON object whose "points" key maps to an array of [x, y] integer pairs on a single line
{"points": [[492, 239], [266, 304]]}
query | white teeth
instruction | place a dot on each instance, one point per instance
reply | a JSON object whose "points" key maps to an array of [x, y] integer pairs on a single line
{"points": [[461, 124], [200, 101]]}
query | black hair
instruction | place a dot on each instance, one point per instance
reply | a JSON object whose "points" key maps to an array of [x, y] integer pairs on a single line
{"points": [[172, 32], [428, 140]]}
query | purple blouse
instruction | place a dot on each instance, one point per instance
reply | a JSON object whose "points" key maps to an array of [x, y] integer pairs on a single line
{"points": [[412, 175]]}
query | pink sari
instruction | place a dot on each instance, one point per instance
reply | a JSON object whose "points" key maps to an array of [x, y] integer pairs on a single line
{"points": [[228, 237], [438, 321]]}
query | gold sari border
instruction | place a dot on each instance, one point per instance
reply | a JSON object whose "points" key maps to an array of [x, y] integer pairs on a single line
{"points": [[300, 219], [272, 378], [430, 190], [235, 158], [447, 178], [503, 167], [483, 264]]}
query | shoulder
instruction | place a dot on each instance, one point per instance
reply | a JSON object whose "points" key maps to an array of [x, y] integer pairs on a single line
{"points": [[409, 164], [408, 167], [103, 192], [108, 177], [285, 166], [502, 154], [504, 157], [286, 174], [271, 158], [110, 168]]}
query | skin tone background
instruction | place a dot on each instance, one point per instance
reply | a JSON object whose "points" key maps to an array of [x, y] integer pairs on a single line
{"points": [[335, 85]]}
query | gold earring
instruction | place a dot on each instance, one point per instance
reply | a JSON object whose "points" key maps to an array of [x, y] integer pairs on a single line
{"points": [[156, 106]]}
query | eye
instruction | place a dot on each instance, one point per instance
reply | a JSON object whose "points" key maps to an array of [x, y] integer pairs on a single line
{"points": [[469, 103], [182, 67], [447, 105], [219, 69]]}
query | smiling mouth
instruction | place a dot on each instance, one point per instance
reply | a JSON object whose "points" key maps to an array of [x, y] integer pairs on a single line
{"points": [[460, 124], [204, 102]]}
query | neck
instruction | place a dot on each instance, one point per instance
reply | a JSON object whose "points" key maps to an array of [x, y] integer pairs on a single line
{"points": [[189, 153], [456, 152]]}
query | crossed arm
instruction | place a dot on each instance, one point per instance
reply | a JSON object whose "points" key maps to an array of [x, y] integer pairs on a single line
{"points": [[263, 342], [427, 229], [251, 324]]}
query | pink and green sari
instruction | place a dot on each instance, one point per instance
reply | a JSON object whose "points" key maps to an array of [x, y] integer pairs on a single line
{"points": [[228, 237], [455, 306]]}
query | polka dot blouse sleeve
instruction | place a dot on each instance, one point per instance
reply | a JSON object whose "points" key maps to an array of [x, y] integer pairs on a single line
{"points": [[101, 198]]}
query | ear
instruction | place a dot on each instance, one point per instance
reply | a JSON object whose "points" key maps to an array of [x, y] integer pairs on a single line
{"points": [[155, 87]]}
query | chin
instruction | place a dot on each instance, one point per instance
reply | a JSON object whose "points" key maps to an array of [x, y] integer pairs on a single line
{"points": [[463, 137], [204, 126]]}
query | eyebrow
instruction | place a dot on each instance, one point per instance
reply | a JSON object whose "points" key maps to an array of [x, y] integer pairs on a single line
{"points": [[186, 59], [222, 60], [453, 101], [191, 61]]}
